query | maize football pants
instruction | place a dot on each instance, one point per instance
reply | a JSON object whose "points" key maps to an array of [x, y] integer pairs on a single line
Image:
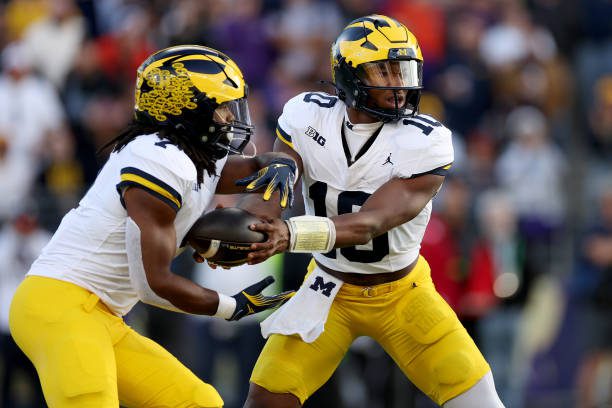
{"points": [[87, 357], [407, 317]]}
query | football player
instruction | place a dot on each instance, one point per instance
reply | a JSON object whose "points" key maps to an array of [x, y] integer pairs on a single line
{"points": [[370, 166], [116, 247]]}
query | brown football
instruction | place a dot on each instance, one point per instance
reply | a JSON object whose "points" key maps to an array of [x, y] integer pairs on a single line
{"points": [[223, 237]]}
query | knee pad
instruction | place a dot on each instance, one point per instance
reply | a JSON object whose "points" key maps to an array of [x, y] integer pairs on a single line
{"points": [[454, 368]]}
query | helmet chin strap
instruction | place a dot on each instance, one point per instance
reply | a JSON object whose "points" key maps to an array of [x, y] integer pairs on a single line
{"points": [[339, 91]]}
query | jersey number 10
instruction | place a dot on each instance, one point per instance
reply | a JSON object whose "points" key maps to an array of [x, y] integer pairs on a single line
{"points": [[346, 201]]}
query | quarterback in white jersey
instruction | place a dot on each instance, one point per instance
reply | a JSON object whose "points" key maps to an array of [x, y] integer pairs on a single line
{"points": [[116, 247], [370, 167], [340, 173]]}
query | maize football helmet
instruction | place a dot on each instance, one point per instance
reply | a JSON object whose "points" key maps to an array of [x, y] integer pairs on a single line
{"points": [[198, 92], [375, 54]]}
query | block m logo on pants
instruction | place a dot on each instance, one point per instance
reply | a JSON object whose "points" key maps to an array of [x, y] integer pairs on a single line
{"points": [[324, 287]]}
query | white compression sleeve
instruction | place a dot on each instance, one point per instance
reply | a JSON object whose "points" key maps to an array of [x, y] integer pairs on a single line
{"points": [[138, 276], [481, 395]]}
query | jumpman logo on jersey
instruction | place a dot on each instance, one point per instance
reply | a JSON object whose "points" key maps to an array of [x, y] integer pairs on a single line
{"points": [[388, 161]]}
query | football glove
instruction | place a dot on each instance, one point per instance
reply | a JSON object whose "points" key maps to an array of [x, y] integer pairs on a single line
{"points": [[279, 174], [250, 300]]}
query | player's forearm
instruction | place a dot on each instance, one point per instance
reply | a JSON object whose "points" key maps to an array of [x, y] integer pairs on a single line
{"points": [[391, 206], [150, 253], [185, 294], [355, 229], [361, 227]]}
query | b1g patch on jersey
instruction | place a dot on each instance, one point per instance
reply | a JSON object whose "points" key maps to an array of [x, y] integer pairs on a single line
{"points": [[314, 135]]}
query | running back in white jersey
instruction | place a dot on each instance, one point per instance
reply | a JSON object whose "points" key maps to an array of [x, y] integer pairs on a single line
{"points": [[311, 124], [89, 247]]}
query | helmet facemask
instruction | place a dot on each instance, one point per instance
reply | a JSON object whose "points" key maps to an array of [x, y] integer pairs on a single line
{"points": [[231, 128], [377, 67], [389, 89], [198, 93]]}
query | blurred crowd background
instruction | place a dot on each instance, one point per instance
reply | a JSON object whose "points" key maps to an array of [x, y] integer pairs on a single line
{"points": [[520, 242]]}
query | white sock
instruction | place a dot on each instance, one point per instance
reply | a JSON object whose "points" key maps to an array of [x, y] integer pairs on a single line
{"points": [[481, 395]]}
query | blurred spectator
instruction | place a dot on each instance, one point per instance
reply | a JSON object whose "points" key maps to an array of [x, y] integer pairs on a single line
{"points": [[514, 38], [591, 305], [240, 33], [105, 115], [427, 21], [559, 17], [523, 62], [600, 119], [595, 381], [497, 256], [301, 32], [120, 52], [592, 282], [54, 41], [352, 9], [30, 111], [593, 62], [29, 106], [19, 14], [61, 180], [463, 83], [479, 168], [21, 241], [187, 22], [87, 86], [499, 245], [532, 170], [87, 81], [16, 176]]}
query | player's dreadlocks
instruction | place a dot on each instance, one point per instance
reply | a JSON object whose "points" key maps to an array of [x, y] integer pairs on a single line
{"points": [[203, 159]]}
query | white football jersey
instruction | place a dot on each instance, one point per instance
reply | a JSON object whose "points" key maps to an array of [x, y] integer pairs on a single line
{"points": [[336, 181], [89, 248]]}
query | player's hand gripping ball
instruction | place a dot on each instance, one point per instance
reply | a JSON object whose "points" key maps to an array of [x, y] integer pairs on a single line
{"points": [[223, 237]]}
